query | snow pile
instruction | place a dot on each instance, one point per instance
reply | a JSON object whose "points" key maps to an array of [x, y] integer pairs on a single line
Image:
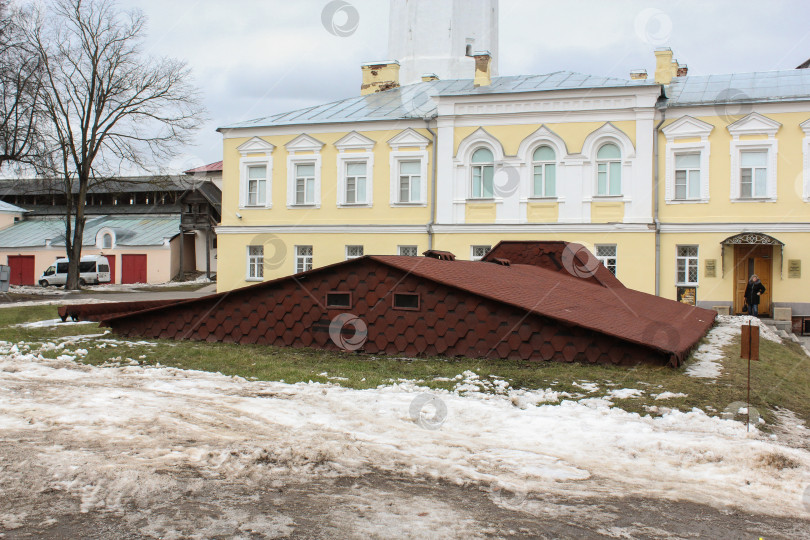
{"points": [[51, 323], [105, 434], [727, 328], [58, 302], [670, 395]]}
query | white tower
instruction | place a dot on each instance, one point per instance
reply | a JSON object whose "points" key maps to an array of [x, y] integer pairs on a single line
{"points": [[439, 36]]}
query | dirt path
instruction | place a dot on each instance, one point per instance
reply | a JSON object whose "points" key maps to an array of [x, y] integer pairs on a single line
{"points": [[382, 506]]}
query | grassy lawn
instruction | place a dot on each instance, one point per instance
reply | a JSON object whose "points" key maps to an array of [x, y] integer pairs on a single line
{"points": [[780, 379]]}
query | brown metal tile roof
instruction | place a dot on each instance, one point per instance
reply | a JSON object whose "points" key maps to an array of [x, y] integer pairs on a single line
{"points": [[564, 257], [638, 317], [641, 319]]}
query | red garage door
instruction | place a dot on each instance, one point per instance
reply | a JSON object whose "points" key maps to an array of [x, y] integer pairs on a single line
{"points": [[133, 268], [22, 269]]}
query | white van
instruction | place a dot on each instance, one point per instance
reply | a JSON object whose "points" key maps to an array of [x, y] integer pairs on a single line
{"points": [[93, 269]]}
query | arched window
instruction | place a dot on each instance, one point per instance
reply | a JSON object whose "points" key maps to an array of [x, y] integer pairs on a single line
{"points": [[483, 172], [609, 170], [106, 241], [545, 172]]}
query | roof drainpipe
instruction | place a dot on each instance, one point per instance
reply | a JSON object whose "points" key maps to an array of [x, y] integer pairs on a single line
{"points": [[657, 223], [433, 183]]}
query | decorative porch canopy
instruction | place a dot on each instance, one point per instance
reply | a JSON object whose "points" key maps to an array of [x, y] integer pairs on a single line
{"points": [[750, 239]]}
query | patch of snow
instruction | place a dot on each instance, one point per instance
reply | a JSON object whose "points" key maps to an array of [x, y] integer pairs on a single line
{"points": [[670, 395], [624, 393], [57, 302], [105, 434], [706, 357], [51, 323], [587, 386]]}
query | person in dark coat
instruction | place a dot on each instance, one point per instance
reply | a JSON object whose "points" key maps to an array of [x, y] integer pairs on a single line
{"points": [[752, 293]]}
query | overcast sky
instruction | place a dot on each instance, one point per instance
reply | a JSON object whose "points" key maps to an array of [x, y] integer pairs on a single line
{"points": [[252, 58]]}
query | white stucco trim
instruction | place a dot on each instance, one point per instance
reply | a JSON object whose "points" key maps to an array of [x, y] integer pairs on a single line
{"points": [[806, 162], [255, 152], [736, 148], [673, 149], [343, 159], [395, 158], [292, 161]]}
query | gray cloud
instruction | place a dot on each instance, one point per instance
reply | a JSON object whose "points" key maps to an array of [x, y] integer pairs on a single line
{"points": [[255, 58]]}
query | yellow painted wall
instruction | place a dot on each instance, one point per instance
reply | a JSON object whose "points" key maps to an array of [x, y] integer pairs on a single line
{"points": [[279, 252], [479, 212], [542, 212], [721, 288], [380, 213], [607, 211], [7, 219], [789, 205]]}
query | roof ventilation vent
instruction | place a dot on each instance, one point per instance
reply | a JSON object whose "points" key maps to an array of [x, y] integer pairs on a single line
{"points": [[502, 262], [441, 255]]}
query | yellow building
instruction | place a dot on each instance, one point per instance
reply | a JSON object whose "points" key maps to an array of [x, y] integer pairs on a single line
{"points": [[682, 185]]}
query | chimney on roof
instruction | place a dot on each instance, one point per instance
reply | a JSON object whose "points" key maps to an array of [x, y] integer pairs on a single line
{"points": [[427, 77], [666, 67], [438, 254], [638, 74], [483, 68], [379, 77]]}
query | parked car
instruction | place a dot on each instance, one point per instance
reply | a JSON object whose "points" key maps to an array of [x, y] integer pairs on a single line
{"points": [[93, 269]]}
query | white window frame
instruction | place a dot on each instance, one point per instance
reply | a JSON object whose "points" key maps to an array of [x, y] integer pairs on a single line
{"points": [[757, 125], [402, 248], [473, 256], [605, 259], [407, 145], [676, 149], [737, 148], [397, 157], [353, 247], [305, 258], [343, 161], [248, 182], [557, 168], [686, 259], [104, 231], [471, 175], [245, 163], [597, 162], [254, 263], [687, 127], [306, 159]]}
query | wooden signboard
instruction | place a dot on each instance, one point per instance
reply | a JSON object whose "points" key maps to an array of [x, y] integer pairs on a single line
{"points": [[687, 295], [749, 342]]}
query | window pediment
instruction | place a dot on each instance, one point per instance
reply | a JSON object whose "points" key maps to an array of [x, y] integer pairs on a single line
{"points": [[355, 141], [408, 138], [754, 124], [687, 127], [255, 146], [806, 127], [304, 143]]}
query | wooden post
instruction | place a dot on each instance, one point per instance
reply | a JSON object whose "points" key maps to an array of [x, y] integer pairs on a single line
{"points": [[749, 349], [182, 273], [208, 253]]}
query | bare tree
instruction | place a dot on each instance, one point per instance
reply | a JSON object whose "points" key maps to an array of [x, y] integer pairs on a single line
{"points": [[20, 91], [109, 107]]}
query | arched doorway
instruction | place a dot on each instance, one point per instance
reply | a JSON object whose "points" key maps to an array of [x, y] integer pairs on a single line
{"points": [[754, 253]]}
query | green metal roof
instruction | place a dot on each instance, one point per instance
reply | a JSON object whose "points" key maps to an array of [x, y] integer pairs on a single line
{"points": [[129, 231]]}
